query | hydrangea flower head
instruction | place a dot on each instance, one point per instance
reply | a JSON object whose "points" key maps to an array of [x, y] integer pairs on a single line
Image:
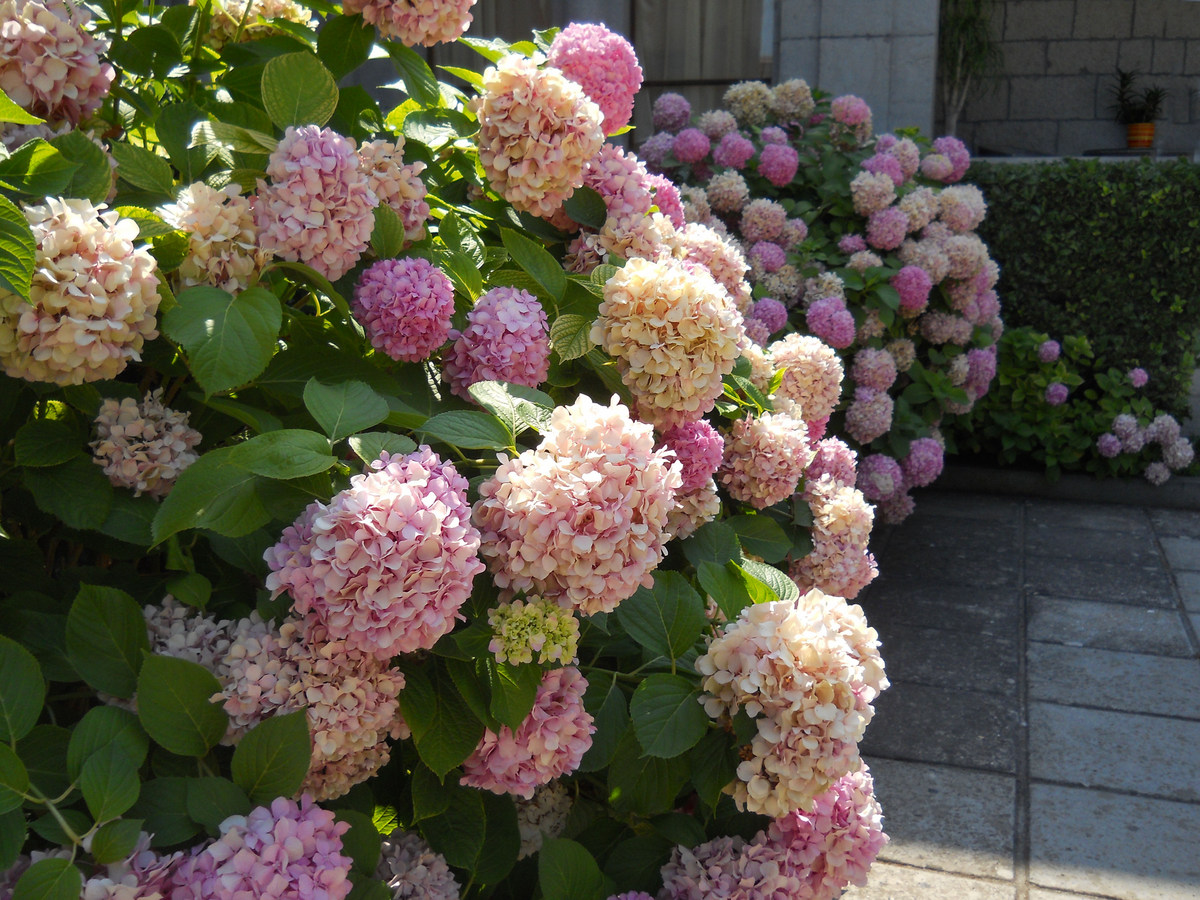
{"points": [[537, 129], [778, 163], [813, 374], [794, 232], [727, 192], [957, 153], [691, 145], [522, 629], [717, 123], [251, 18], [1179, 454], [396, 185], [1138, 377], [674, 334], [765, 456], [830, 320], [763, 220], [699, 448], [767, 257], [1163, 430], [749, 101], [852, 243], [792, 100], [1056, 393], [387, 564], [1048, 352], [318, 206], [92, 300], [924, 462], [542, 815], [671, 112], [143, 446], [962, 208], [405, 305], [921, 206], [412, 870], [887, 228], [223, 245], [655, 150], [423, 22], [734, 151], [506, 339], [886, 164], [1108, 445], [49, 62], [1157, 473], [879, 477], [874, 368], [604, 64], [872, 193], [771, 313], [773, 135], [839, 563], [668, 199], [550, 742], [835, 459], [869, 416]]}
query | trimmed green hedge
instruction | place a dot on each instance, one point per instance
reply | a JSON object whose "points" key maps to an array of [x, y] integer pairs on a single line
{"points": [[1107, 250]]}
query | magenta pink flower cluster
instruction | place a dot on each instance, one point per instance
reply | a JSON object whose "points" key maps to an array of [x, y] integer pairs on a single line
{"points": [[143, 446], [405, 305], [879, 477], [550, 742], [387, 563], [604, 64], [778, 163], [580, 519], [671, 112], [424, 22], [699, 448], [286, 850], [506, 339]]}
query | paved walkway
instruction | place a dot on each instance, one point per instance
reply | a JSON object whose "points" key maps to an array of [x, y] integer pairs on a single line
{"points": [[1041, 738]]}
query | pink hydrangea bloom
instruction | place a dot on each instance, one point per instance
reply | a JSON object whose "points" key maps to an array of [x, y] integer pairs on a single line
{"points": [[1048, 352], [1108, 445], [604, 64], [887, 228], [835, 459], [937, 167], [903, 352], [1163, 430], [387, 564], [286, 850], [728, 867], [143, 446], [957, 153], [655, 150], [981, 364], [537, 129], [906, 152], [771, 313], [768, 256], [763, 220], [667, 199], [318, 206], [671, 112], [885, 164], [396, 185], [506, 339], [717, 123], [424, 22], [691, 145], [924, 462], [581, 518], [727, 192], [830, 320], [945, 328], [757, 331], [92, 300], [927, 254], [550, 742], [852, 243], [1056, 393], [921, 206], [879, 477], [765, 456], [812, 375], [1157, 473], [405, 305], [1138, 377], [1124, 426], [839, 563], [413, 871], [734, 151], [897, 508], [874, 368], [699, 448], [962, 208], [778, 163], [871, 192], [864, 260], [850, 110], [223, 245], [794, 232], [773, 135], [869, 416], [49, 61]]}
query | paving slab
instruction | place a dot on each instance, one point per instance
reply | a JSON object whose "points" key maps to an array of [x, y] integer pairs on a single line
{"points": [[939, 817], [937, 604], [918, 723], [985, 507], [1183, 553], [1115, 750], [1068, 514], [1122, 548], [955, 540], [1093, 579], [1078, 675], [1114, 845], [973, 662], [1189, 589], [978, 571], [892, 882], [1176, 522], [1042, 894], [1108, 626]]}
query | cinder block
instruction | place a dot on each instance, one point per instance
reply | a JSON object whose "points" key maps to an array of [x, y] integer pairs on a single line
{"points": [[857, 18], [1155, 18], [1075, 138], [914, 17], [799, 18], [1136, 54], [1062, 97], [1104, 19], [1028, 138], [1191, 59], [1034, 19], [1168, 57], [988, 102], [799, 59], [1024, 58], [860, 66], [1080, 57]]}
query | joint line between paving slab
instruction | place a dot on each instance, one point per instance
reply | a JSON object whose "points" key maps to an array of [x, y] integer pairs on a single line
{"points": [[1021, 814], [1180, 607], [1190, 720], [1110, 789]]}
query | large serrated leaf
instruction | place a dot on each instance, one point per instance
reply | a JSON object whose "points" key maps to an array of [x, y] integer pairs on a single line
{"points": [[17, 249], [570, 336], [228, 339], [667, 715], [297, 89], [273, 757]]}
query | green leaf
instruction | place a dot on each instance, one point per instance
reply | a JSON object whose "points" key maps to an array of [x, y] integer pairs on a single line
{"points": [[144, 169], [667, 715], [192, 589], [52, 830], [470, 77], [587, 207], [444, 729], [514, 689], [163, 807], [469, 429], [610, 713], [517, 406], [12, 837], [46, 442], [175, 708], [725, 586], [114, 841], [644, 784], [459, 237], [713, 542], [149, 224], [429, 796], [761, 536], [344, 43], [37, 169], [22, 690], [212, 800], [418, 78], [667, 620], [537, 261], [369, 445], [288, 453], [106, 636], [10, 112], [714, 762], [362, 843], [344, 408], [459, 832], [49, 879], [387, 237], [212, 493], [273, 757], [14, 779], [94, 178], [779, 583], [435, 127], [102, 727], [297, 89], [17, 249], [77, 492], [228, 339], [566, 871], [44, 753], [109, 783], [501, 838], [570, 336]]}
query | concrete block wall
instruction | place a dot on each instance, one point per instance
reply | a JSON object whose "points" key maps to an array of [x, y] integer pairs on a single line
{"points": [[885, 51], [1052, 96]]}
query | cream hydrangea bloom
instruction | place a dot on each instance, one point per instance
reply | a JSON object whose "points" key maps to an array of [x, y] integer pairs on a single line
{"points": [[223, 248]]}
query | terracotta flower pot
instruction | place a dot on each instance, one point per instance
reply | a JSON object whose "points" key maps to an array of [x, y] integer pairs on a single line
{"points": [[1139, 135]]}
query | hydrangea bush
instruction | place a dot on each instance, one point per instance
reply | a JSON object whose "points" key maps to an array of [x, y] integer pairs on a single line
{"points": [[395, 502], [1053, 407], [866, 242]]}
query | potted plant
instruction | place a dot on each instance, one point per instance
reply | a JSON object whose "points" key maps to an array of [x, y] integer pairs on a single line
{"points": [[1136, 110]]}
